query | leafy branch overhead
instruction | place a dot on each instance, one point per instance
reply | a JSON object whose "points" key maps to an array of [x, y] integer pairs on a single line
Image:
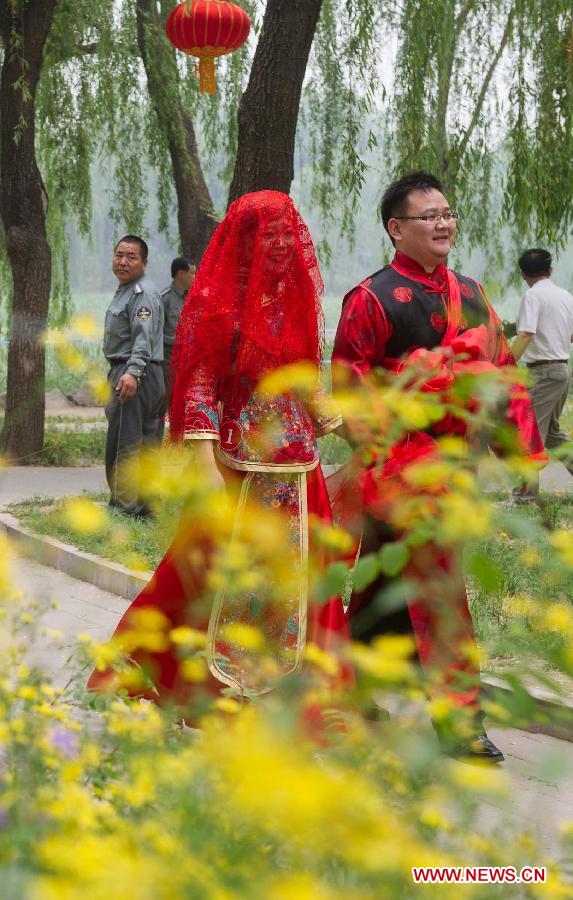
{"points": [[483, 95]]}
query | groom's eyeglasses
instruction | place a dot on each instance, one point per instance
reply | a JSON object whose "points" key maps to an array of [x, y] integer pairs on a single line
{"points": [[431, 220]]}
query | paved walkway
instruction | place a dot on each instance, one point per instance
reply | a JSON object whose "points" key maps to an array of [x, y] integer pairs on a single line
{"points": [[25, 482], [82, 608], [541, 799]]}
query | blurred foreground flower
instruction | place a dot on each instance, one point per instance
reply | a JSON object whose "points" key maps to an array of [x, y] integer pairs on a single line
{"points": [[85, 516]]}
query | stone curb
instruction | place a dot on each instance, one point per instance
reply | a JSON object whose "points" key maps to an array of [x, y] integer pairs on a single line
{"points": [[108, 576], [555, 716]]}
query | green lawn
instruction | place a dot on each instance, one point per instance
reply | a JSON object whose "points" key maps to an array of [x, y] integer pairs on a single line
{"points": [[131, 542], [69, 447]]}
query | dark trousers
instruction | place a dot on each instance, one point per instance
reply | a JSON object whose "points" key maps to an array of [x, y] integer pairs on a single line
{"points": [[132, 426], [428, 602]]}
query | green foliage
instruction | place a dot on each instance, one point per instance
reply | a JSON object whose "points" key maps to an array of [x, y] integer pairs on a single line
{"points": [[481, 93], [341, 92], [58, 373], [483, 97], [72, 448], [116, 541], [540, 137]]}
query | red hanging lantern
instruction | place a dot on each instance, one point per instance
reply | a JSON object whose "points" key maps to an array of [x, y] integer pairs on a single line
{"points": [[207, 28]]}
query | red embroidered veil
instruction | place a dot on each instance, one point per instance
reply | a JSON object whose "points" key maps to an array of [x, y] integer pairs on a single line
{"points": [[261, 255]]}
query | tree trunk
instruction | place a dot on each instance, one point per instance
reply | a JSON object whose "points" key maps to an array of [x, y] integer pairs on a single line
{"points": [[23, 205], [268, 112], [195, 214]]}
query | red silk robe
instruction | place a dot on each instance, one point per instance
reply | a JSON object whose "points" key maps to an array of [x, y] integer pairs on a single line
{"points": [[403, 313], [278, 469]]}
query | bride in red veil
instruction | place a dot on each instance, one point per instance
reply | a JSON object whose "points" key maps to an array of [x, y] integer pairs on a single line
{"points": [[255, 307]]}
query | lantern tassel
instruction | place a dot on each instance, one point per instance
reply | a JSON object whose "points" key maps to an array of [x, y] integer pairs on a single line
{"points": [[207, 81]]}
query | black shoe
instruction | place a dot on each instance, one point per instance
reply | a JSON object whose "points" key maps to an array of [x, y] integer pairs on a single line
{"points": [[479, 748]]}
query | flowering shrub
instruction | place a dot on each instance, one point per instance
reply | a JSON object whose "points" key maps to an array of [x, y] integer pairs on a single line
{"points": [[108, 797]]}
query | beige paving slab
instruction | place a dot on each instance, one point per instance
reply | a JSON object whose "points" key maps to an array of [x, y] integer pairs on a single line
{"points": [[23, 482], [82, 608]]}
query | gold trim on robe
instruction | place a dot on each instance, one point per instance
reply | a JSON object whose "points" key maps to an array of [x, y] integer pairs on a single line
{"points": [[281, 616]]}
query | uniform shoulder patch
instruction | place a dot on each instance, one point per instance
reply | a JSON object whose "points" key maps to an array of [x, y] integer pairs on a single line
{"points": [[143, 312]]}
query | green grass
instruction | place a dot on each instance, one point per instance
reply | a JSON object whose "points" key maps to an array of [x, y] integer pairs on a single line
{"points": [[71, 448], [132, 542], [58, 373], [518, 561]]}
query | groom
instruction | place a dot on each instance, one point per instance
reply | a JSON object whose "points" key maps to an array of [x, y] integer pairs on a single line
{"points": [[416, 302]]}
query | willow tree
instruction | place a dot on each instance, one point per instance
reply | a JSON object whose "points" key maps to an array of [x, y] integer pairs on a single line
{"points": [[483, 96], [24, 28], [63, 69], [250, 126], [83, 94], [170, 95]]}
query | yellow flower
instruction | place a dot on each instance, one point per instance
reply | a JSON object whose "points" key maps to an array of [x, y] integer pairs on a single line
{"points": [[140, 721], [562, 542], [149, 619], [246, 636], [496, 711], [431, 475], [435, 817], [558, 617], [479, 779], [385, 660], [463, 518], [136, 562], [227, 705], [86, 327], [104, 655], [299, 377], [453, 446], [194, 669], [188, 637], [71, 357], [441, 708], [101, 390], [27, 692], [324, 661], [415, 412], [85, 516], [336, 540]]}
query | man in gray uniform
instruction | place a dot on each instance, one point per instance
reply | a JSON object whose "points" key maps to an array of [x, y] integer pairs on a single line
{"points": [[133, 346], [173, 297]]}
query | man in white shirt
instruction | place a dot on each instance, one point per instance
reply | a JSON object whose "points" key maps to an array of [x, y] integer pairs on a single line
{"points": [[543, 342]]}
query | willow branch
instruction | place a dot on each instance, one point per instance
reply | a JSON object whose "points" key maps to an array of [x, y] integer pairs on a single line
{"points": [[76, 53], [461, 19], [485, 87], [445, 82]]}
